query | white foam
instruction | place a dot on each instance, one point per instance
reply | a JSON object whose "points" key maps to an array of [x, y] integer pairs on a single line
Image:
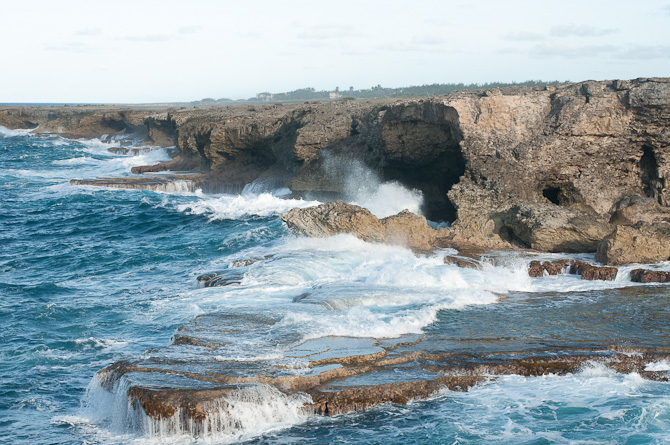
{"points": [[389, 198], [239, 415], [7, 133], [242, 206], [515, 409], [364, 187], [662, 365]]}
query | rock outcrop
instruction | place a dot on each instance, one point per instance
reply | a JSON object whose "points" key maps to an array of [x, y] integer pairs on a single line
{"points": [[589, 151], [585, 270], [641, 243], [405, 229], [634, 209], [551, 228], [335, 217], [649, 276]]}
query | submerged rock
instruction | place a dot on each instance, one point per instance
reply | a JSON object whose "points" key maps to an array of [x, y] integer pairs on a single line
{"points": [[326, 392], [551, 228], [641, 243], [467, 263]]}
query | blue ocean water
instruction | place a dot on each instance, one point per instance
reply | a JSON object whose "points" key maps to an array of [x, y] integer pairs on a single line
{"points": [[90, 276]]}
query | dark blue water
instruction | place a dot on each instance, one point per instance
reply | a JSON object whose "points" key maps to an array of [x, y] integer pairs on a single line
{"points": [[92, 276]]}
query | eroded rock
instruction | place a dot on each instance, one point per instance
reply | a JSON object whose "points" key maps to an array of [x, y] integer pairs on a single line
{"points": [[585, 270], [466, 263], [335, 217], [551, 228], [634, 209], [405, 229], [409, 229], [649, 276], [641, 243]]}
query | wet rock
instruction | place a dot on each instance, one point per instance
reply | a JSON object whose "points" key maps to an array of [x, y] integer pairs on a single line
{"points": [[249, 261], [472, 234], [335, 217], [649, 276], [195, 407], [409, 229], [641, 243], [163, 183], [223, 278], [585, 270], [466, 263], [359, 399], [551, 228], [405, 229], [536, 269], [592, 272]]}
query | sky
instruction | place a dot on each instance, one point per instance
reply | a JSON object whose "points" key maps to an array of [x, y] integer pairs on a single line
{"points": [[101, 51]]}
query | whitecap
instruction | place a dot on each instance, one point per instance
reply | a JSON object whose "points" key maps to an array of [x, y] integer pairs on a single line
{"points": [[242, 206]]}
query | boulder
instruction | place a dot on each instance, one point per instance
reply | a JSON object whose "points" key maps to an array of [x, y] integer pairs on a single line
{"points": [[636, 208], [641, 243], [335, 217], [649, 276], [409, 229], [552, 228], [405, 228], [592, 272], [467, 263], [585, 270]]}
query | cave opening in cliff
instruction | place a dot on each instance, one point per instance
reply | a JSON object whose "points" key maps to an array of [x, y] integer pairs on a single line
{"points": [[651, 181], [422, 143], [435, 178], [551, 193]]}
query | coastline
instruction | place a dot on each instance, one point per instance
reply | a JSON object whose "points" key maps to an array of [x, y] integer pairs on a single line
{"points": [[572, 169]]}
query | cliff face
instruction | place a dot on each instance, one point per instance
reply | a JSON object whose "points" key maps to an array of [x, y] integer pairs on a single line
{"points": [[474, 154], [584, 145]]}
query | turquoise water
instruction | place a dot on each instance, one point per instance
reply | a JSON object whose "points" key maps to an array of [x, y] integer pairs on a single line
{"points": [[90, 276]]}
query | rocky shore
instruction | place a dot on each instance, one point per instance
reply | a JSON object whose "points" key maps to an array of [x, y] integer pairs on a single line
{"points": [[576, 168], [570, 168]]}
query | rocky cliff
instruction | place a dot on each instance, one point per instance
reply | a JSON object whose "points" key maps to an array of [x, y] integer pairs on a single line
{"points": [[588, 147]]}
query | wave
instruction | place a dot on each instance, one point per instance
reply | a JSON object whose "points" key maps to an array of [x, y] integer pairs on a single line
{"points": [[242, 206], [389, 198], [241, 414], [7, 133]]}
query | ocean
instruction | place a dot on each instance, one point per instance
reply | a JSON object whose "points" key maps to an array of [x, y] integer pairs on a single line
{"points": [[91, 276]]}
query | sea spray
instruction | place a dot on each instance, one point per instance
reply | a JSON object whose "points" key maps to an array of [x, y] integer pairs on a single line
{"points": [[242, 412], [241, 206], [362, 186]]}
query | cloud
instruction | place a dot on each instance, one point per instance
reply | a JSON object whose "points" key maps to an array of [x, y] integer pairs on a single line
{"points": [[580, 31], [189, 29], [521, 36], [562, 49], [426, 40], [148, 38], [666, 9], [328, 32], [420, 43], [645, 52], [249, 35], [87, 32], [74, 47]]}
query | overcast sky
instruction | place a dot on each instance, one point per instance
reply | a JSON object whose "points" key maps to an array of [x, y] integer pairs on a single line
{"points": [[161, 51]]}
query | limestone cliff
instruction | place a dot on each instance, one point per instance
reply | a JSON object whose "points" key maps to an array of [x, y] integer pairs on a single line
{"points": [[475, 155]]}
